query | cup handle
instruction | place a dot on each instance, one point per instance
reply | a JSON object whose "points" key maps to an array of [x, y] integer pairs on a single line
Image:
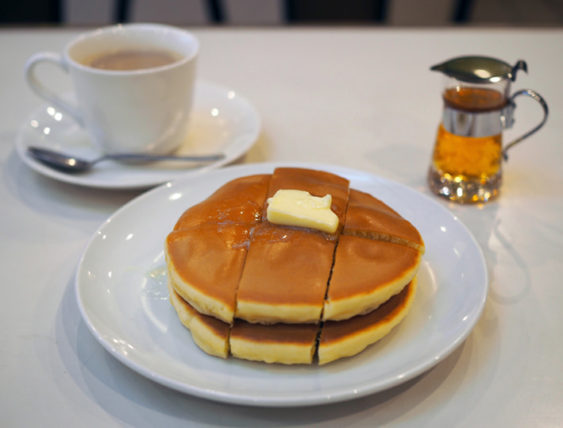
{"points": [[532, 94], [42, 91]]}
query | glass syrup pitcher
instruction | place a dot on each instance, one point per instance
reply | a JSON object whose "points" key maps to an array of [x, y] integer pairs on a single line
{"points": [[468, 153]]}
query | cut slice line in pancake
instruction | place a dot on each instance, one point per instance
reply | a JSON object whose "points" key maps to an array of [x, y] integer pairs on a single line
{"points": [[271, 286], [205, 264], [366, 273]]}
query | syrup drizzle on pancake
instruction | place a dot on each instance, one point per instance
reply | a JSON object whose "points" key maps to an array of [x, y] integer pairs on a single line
{"points": [[370, 218]]}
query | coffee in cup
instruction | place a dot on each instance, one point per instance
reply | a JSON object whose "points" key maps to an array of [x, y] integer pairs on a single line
{"points": [[133, 59]]}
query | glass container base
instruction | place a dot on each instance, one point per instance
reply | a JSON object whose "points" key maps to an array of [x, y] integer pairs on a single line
{"points": [[463, 190]]}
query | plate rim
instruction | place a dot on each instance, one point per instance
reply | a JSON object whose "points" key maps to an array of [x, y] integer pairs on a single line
{"points": [[297, 401], [84, 181]]}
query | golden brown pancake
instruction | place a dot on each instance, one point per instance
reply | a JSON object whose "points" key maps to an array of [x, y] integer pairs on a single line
{"points": [[205, 264], [277, 343], [210, 334], [293, 343], [369, 217], [285, 275], [365, 274], [341, 339], [359, 198], [261, 290], [238, 201]]}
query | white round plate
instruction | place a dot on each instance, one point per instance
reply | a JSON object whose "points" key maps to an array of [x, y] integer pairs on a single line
{"points": [[221, 121], [122, 295]]}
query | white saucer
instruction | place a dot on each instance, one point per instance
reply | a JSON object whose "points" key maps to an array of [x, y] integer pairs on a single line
{"points": [[123, 298], [221, 121]]}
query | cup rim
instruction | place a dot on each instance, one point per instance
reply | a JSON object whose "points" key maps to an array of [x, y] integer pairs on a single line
{"points": [[185, 59]]}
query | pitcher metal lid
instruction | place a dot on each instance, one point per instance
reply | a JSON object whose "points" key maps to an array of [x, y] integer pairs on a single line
{"points": [[479, 69]]}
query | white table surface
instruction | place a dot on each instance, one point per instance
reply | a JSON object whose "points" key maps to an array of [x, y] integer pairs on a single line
{"points": [[360, 98]]}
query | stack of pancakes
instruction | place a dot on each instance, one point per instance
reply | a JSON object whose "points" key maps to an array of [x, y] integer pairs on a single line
{"points": [[246, 287]]}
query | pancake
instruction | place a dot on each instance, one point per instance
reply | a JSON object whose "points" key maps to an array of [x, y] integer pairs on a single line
{"points": [[277, 343], [293, 343], [209, 334], [239, 201], [280, 284], [359, 198], [205, 264], [371, 218], [341, 339], [276, 293], [365, 274]]}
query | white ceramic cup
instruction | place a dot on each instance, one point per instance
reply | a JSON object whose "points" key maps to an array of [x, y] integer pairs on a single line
{"points": [[142, 110]]}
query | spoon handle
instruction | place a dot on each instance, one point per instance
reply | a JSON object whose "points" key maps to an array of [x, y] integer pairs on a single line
{"points": [[137, 157]]}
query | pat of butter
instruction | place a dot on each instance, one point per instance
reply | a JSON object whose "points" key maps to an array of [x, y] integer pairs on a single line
{"points": [[300, 208]]}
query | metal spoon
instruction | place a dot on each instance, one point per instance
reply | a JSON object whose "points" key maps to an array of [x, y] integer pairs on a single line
{"points": [[68, 163]]}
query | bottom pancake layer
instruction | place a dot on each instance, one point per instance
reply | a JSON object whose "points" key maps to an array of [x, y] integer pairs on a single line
{"points": [[210, 334], [294, 343], [275, 343], [341, 339]]}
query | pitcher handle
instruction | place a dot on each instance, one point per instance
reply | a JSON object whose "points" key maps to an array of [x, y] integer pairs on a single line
{"points": [[539, 99]]}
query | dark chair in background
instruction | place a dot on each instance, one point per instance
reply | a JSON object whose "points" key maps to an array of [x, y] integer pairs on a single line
{"points": [[284, 12]]}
